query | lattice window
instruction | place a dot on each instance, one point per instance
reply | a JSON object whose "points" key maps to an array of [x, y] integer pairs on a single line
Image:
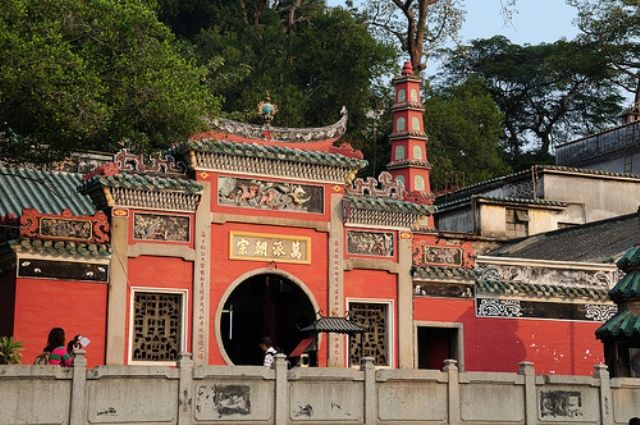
{"points": [[375, 341], [157, 326], [517, 222]]}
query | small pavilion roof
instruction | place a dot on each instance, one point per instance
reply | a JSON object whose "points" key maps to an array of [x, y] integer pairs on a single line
{"points": [[340, 325]]}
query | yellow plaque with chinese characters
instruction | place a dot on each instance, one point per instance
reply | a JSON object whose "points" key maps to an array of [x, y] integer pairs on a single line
{"points": [[269, 247]]}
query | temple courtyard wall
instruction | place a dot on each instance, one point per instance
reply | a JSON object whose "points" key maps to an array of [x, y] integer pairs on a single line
{"points": [[255, 395]]}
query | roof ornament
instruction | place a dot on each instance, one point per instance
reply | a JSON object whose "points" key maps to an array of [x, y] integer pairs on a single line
{"points": [[385, 186], [267, 110]]}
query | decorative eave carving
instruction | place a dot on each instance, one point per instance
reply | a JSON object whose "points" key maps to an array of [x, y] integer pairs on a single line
{"points": [[355, 213], [64, 226], [271, 167], [153, 199], [283, 134], [63, 249]]}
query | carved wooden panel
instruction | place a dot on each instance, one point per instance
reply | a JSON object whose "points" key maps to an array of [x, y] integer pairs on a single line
{"points": [[161, 227], [379, 244], [270, 195], [157, 326], [375, 341]]}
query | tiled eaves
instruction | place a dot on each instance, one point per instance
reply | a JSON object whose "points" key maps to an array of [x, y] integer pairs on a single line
{"points": [[143, 181], [281, 153], [487, 184], [530, 290], [389, 205], [60, 248], [443, 273], [625, 323], [506, 200]]}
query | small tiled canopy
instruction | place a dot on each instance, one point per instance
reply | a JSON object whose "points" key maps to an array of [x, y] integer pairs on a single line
{"points": [[340, 325]]}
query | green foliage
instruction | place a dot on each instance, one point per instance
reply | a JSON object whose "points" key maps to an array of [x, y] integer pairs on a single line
{"points": [[91, 74], [612, 27], [548, 93], [464, 126], [10, 350], [311, 58]]}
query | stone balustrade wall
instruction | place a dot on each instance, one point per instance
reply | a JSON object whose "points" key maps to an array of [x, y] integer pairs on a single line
{"points": [[244, 395]]}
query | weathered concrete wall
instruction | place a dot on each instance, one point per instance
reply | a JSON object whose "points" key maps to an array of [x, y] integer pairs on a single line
{"points": [[255, 395]]}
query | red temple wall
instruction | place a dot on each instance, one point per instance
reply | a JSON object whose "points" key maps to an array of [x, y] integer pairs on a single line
{"points": [[162, 273], [225, 272], [7, 298], [77, 307], [498, 345]]}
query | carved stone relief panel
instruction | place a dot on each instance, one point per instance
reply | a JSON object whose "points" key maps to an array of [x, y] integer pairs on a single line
{"points": [[161, 227], [561, 404], [157, 324], [495, 307], [379, 244], [549, 276], [375, 341], [270, 195]]}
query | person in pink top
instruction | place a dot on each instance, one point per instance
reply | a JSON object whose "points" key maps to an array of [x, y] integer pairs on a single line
{"points": [[57, 349]]}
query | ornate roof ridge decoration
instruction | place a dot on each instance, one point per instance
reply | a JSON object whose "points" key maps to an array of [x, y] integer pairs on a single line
{"points": [[383, 186], [283, 134], [127, 162], [64, 226], [379, 211], [388, 187], [543, 282], [60, 248]]}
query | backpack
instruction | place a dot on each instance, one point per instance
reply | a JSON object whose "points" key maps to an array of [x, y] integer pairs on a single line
{"points": [[42, 358]]}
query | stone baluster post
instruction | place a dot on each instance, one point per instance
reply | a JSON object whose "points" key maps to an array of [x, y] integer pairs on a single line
{"points": [[78, 404], [453, 390], [370, 391], [282, 390], [601, 372], [185, 389], [527, 369]]}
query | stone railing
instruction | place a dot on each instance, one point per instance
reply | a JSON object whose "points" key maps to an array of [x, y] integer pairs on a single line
{"points": [[255, 395]]}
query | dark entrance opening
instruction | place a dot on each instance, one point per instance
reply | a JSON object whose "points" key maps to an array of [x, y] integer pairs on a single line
{"points": [[264, 305], [435, 345]]}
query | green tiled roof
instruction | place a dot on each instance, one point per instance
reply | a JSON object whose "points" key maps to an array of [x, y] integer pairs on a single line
{"points": [[540, 291], [142, 181], [628, 287], [88, 250], [389, 204], [49, 192], [272, 152], [434, 272], [623, 324]]}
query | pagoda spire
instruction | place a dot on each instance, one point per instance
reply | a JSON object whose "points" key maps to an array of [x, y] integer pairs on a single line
{"points": [[409, 163]]}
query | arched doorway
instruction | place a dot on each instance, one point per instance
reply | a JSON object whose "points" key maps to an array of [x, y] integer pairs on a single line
{"points": [[263, 305]]}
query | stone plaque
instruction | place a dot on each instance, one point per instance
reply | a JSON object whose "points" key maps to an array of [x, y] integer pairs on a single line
{"points": [[378, 244], [161, 227], [262, 246], [270, 195], [561, 404]]}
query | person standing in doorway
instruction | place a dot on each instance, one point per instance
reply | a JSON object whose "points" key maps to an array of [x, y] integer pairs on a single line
{"points": [[266, 345]]}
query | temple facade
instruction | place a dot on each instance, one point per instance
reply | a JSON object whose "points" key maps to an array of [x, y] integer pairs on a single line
{"points": [[253, 230]]}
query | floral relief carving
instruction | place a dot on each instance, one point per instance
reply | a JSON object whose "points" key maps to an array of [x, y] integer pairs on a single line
{"points": [[600, 312], [161, 227], [499, 308]]}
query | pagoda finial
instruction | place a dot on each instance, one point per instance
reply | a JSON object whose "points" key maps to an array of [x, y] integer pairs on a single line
{"points": [[267, 110], [407, 68]]}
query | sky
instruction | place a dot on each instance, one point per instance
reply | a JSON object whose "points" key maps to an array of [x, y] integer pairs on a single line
{"points": [[535, 21]]}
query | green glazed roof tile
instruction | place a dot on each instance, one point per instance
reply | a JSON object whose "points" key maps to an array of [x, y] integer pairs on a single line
{"points": [[49, 192], [623, 324], [272, 152], [628, 287], [66, 248], [389, 204], [539, 290], [435, 272]]}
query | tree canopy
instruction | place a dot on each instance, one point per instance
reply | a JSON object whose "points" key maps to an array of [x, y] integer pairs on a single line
{"points": [[91, 74], [547, 92]]}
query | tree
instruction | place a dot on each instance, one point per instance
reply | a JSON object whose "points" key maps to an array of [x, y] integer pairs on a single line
{"points": [[465, 127], [547, 92], [613, 29], [88, 75]]}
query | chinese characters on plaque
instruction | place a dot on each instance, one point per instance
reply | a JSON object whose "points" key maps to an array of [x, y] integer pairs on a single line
{"points": [[280, 248]]}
